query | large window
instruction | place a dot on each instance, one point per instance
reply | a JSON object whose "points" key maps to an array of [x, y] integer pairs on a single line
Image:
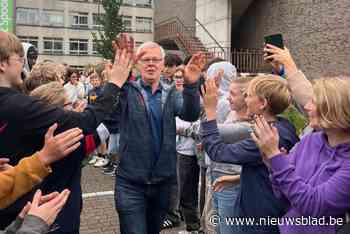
{"points": [[53, 45], [80, 20], [138, 43], [78, 46], [28, 16], [142, 3], [127, 23], [128, 2], [95, 23], [144, 24], [94, 48], [52, 18], [32, 40], [36, 17]]}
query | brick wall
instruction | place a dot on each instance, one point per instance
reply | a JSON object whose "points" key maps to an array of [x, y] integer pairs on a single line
{"points": [[317, 32]]}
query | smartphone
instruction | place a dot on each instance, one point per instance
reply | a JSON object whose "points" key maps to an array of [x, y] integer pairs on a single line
{"points": [[276, 40], [201, 82]]}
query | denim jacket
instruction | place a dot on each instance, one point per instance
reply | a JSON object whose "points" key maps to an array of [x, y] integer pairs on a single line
{"points": [[137, 163]]}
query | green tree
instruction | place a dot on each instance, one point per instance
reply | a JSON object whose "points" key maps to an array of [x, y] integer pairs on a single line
{"points": [[111, 24]]}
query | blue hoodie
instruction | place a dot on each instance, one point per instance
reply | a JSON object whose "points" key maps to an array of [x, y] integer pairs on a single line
{"points": [[256, 198]]}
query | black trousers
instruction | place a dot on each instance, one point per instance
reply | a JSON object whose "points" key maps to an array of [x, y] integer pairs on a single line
{"points": [[188, 183]]}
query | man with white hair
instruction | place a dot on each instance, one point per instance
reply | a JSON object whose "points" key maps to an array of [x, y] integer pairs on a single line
{"points": [[147, 168]]}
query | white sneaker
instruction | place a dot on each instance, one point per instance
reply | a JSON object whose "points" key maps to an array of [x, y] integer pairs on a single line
{"points": [[101, 162], [93, 160]]}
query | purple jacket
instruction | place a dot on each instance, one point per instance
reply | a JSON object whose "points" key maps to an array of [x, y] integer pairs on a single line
{"points": [[315, 179]]}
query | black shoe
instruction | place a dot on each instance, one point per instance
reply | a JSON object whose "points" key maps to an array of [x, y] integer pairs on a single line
{"points": [[110, 172], [109, 168], [167, 224]]}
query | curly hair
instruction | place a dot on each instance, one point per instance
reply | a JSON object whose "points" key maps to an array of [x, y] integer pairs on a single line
{"points": [[42, 73]]}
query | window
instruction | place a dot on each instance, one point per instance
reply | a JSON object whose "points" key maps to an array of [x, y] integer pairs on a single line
{"points": [[94, 48], [36, 17], [53, 45], [143, 24], [95, 23], [28, 16], [138, 43], [51, 18], [78, 67], [128, 2], [127, 23], [80, 20], [78, 46], [32, 40], [143, 3]]}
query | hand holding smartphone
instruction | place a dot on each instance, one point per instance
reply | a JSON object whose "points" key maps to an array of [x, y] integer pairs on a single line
{"points": [[276, 40]]}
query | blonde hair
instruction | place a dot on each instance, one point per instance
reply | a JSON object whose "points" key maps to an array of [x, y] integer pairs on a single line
{"points": [[273, 89], [9, 45], [52, 93], [42, 73], [332, 101]]}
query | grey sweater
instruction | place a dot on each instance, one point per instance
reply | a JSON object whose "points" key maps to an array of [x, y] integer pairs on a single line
{"points": [[29, 225]]}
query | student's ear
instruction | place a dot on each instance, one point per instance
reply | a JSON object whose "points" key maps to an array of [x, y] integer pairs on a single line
{"points": [[3, 65], [264, 104]]}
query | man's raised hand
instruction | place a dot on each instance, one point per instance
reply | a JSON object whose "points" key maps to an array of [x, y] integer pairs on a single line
{"points": [[124, 59], [194, 68]]}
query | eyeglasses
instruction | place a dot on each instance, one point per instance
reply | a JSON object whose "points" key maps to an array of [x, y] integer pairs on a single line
{"points": [[151, 60]]}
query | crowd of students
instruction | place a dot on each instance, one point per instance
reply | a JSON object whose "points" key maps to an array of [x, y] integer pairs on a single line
{"points": [[175, 155]]}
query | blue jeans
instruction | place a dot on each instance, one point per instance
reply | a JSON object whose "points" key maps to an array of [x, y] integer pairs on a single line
{"points": [[141, 207], [224, 204], [113, 144]]}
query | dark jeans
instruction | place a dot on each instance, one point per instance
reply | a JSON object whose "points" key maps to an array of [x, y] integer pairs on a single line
{"points": [[141, 207], [203, 178], [173, 213], [189, 181]]}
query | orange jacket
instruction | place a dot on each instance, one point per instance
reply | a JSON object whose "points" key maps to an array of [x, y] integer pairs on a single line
{"points": [[20, 179]]}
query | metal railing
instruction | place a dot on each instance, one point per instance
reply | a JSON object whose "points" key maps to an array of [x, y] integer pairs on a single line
{"points": [[246, 60], [249, 60], [173, 28]]}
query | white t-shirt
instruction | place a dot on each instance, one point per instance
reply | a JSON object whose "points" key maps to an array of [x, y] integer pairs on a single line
{"points": [[75, 92]]}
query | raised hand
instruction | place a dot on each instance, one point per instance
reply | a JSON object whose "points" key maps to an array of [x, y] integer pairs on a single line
{"points": [[194, 68], [59, 146], [266, 137], [48, 210], [125, 58], [210, 98], [280, 56]]}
